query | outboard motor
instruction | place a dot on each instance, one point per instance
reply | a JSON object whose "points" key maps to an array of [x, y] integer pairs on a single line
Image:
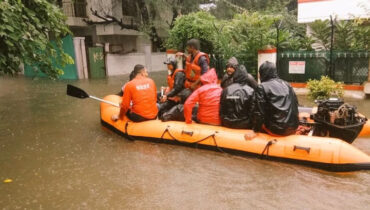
{"points": [[337, 119]]}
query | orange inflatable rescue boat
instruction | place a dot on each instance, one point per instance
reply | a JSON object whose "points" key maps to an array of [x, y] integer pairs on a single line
{"points": [[365, 132], [326, 153]]}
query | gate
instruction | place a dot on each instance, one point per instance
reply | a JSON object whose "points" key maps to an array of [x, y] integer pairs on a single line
{"points": [[96, 62]]}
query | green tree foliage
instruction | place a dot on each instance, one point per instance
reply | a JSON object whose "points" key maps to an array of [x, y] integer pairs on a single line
{"points": [[244, 35], [361, 35], [321, 33], [324, 88], [247, 32], [26, 27], [344, 35], [292, 36], [226, 9], [348, 34], [241, 36], [200, 25], [155, 17]]}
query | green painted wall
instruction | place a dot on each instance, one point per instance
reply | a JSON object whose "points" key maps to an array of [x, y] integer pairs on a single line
{"points": [[70, 70]]}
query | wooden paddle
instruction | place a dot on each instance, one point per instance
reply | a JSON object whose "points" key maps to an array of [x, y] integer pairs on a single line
{"points": [[79, 93]]}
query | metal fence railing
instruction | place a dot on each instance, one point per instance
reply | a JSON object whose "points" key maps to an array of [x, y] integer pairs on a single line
{"points": [[348, 67]]}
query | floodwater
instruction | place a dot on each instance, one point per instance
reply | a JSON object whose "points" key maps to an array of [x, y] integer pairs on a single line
{"points": [[58, 156]]}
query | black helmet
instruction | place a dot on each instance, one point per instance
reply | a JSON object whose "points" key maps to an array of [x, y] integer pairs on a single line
{"points": [[171, 61]]}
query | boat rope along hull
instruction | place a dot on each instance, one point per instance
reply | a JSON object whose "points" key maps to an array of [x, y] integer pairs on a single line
{"points": [[320, 152]]}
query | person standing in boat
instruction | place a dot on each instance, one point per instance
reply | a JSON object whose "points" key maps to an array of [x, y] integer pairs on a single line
{"points": [[174, 94], [231, 66], [237, 99], [276, 105], [139, 101], [208, 98], [197, 64]]}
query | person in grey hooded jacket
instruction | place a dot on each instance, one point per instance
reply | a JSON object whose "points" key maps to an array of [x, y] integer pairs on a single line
{"points": [[231, 67]]}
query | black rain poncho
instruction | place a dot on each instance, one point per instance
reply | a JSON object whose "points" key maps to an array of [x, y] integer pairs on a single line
{"points": [[276, 103], [236, 105]]}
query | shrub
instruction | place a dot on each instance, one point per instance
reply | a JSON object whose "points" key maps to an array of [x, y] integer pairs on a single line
{"points": [[324, 88]]}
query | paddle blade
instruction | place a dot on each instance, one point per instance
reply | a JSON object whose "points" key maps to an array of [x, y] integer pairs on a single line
{"points": [[76, 92]]}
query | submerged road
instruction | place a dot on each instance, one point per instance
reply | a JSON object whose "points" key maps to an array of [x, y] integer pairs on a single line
{"points": [[58, 156]]}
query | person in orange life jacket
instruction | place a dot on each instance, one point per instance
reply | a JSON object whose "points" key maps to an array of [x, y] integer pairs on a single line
{"points": [[197, 63], [175, 81], [276, 105], [208, 96], [141, 92]]}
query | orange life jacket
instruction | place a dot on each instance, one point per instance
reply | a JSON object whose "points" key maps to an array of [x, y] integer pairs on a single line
{"points": [[171, 82], [142, 93], [171, 78], [193, 70]]}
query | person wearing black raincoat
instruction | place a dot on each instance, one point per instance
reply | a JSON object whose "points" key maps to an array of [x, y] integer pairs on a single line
{"points": [[276, 104], [231, 67], [237, 101]]}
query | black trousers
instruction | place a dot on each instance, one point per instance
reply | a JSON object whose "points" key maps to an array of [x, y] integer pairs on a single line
{"points": [[137, 118]]}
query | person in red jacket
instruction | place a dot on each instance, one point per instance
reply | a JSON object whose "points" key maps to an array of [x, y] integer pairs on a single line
{"points": [[139, 101], [208, 96]]}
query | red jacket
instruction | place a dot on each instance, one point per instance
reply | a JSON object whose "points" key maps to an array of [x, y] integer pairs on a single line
{"points": [[143, 94], [208, 96]]}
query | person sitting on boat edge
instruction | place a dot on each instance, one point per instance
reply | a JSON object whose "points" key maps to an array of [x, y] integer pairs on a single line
{"points": [[174, 93], [208, 98], [142, 93], [197, 64], [231, 66], [237, 101], [276, 105]]}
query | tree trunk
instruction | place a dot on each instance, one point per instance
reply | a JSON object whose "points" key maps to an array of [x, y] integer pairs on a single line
{"points": [[146, 18]]}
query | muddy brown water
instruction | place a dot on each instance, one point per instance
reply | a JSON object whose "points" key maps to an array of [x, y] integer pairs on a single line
{"points": [[58, 156]]}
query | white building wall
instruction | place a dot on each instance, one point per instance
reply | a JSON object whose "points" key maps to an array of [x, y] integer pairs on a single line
{"points": [[311, 10], [157, 61], [123, 64]]}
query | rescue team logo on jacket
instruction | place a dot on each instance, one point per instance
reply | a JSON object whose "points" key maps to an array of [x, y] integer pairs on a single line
{"points": [[142, 87], [232, 97]]}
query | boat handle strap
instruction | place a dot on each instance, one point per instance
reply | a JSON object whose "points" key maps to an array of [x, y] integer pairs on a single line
{"points": [[190, 133], [307, 149]]}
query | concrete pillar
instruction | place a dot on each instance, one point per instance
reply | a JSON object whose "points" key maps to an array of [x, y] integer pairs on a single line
{"points": [[367, 84], [81, 58], [266, 55], [368, 70], [106, 47], [21, 68]]}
